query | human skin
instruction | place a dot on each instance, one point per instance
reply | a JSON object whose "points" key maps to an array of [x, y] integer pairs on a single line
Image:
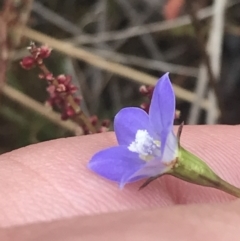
{"points": [[47, 193]]}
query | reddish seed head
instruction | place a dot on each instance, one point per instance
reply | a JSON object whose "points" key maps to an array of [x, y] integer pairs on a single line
{"points": [[64, 79], [177, 114], [143, 89], [146, 90], [51, 89], [150, 90], [145, 106], [61, 88], [39, 61], [41, 76], [28, 62], [44, 52], [106, 123], [77, 100], [61, 78], [93, 119], [72, 88], [49, 76], [70, 111]]}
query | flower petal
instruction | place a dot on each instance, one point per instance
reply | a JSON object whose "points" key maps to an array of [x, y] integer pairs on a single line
{"points": [[113, 163], [171, 148], [162, 109], [150, 169], [127, 122]]}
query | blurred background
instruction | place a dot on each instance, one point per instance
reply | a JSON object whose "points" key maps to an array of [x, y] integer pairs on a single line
{"points": [[197, 41]]}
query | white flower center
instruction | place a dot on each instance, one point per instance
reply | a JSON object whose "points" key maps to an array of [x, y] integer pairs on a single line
{"points": [[145, 145]]}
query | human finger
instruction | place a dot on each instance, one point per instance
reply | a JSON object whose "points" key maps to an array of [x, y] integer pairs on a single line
{"points": [[50, 180], [183, 223]]}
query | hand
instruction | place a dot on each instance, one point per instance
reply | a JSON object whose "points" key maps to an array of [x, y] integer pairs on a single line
{"points": [[50, 182]]}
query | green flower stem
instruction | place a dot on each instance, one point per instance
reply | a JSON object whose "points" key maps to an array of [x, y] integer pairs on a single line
{"points": [[192, 169]]}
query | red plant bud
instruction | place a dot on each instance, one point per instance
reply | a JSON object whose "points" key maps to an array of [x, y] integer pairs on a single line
{"points": [[51, 90], [106, 123], [63, 79], [28, 62], [93, 119], [61, 88], [77, 100], [49, 76], [72, 89], [145, 106], [70, 111], [146, 90], [150, 90], [143, 89], [41, 76], [177, 114], [44, 52]]}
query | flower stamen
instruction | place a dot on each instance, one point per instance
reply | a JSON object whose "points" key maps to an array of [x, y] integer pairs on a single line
{"points": [[145, 146]]}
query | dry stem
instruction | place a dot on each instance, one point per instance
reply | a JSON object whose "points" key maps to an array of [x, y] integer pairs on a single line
{"points": [[33, 105], [99, 62], [201, 43]]}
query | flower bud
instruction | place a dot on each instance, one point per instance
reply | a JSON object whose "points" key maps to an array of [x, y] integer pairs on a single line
{"points": [[192, 169]]}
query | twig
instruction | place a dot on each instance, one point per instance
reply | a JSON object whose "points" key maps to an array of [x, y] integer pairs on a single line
{"points": [[212, 45], [39, 108], [146, 63], [215, 53], [131, 60], [80, 81], [201, 86], [143, 29], [55, 18], [99, 62], [201, 43], [96, 74], [147, 39], [66, 25]]}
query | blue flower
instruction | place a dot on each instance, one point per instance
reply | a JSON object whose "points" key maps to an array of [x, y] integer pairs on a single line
{"points": [[147, 144]]}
